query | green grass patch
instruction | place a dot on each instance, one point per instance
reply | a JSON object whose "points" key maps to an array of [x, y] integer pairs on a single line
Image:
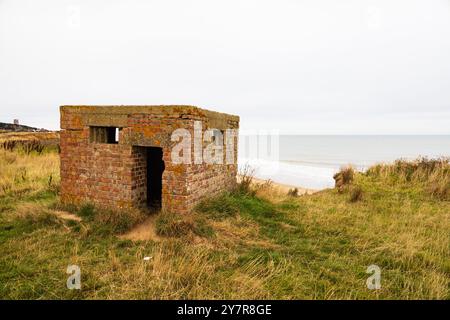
{"points": [[235, 246]]}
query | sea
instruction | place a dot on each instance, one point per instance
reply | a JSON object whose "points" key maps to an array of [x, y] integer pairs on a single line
{"points": [[310, 161]]}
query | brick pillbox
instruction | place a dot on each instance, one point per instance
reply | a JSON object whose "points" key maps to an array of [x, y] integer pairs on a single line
{"points": [[120, 157]]}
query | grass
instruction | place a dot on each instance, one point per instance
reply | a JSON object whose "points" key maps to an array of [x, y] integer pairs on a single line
{"points": [[171, 224], [29, 142], [44, 137], [248, 244]]}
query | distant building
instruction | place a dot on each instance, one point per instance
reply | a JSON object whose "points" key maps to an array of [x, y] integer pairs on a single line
{"points": [[16, 122]]}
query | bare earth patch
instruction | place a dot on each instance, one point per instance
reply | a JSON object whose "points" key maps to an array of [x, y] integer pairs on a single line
{"points": [[144, 231], [66, 216]]}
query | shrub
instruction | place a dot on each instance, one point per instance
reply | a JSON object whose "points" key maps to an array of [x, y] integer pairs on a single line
{"points": [[344, 178], [356, 194], [246, 180], [293, 192]]}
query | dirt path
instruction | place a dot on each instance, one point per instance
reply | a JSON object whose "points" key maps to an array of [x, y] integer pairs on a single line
{"points": [[66, 215], [144, 231]]}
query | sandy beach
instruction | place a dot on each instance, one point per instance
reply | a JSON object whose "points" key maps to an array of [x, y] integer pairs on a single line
{"points": [[281, 188]]}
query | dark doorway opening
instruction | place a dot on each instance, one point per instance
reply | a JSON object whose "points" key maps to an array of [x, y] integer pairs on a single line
{"points": [[155, 169]]}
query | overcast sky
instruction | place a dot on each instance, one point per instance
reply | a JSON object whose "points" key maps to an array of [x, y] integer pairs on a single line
{"points": [[308, 67]]}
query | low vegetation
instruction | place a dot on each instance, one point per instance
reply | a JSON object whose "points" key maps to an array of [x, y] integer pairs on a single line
{"points": [[430, 175], [247, 244], [29, 142]]}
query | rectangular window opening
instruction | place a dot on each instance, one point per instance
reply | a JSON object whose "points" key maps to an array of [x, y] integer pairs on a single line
{"points": [[104, 134]]}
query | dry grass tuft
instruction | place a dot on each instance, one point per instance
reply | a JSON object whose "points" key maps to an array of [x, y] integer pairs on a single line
{"points": [[344, 178], [356, 193], [293, 192], [433, 175], [245, 183]]}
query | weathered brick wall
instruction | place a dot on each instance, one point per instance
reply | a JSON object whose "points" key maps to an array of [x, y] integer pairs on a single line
{"points": [[206, 180], [139, 177], [155, 130], [114, 175], [95, 172]]}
